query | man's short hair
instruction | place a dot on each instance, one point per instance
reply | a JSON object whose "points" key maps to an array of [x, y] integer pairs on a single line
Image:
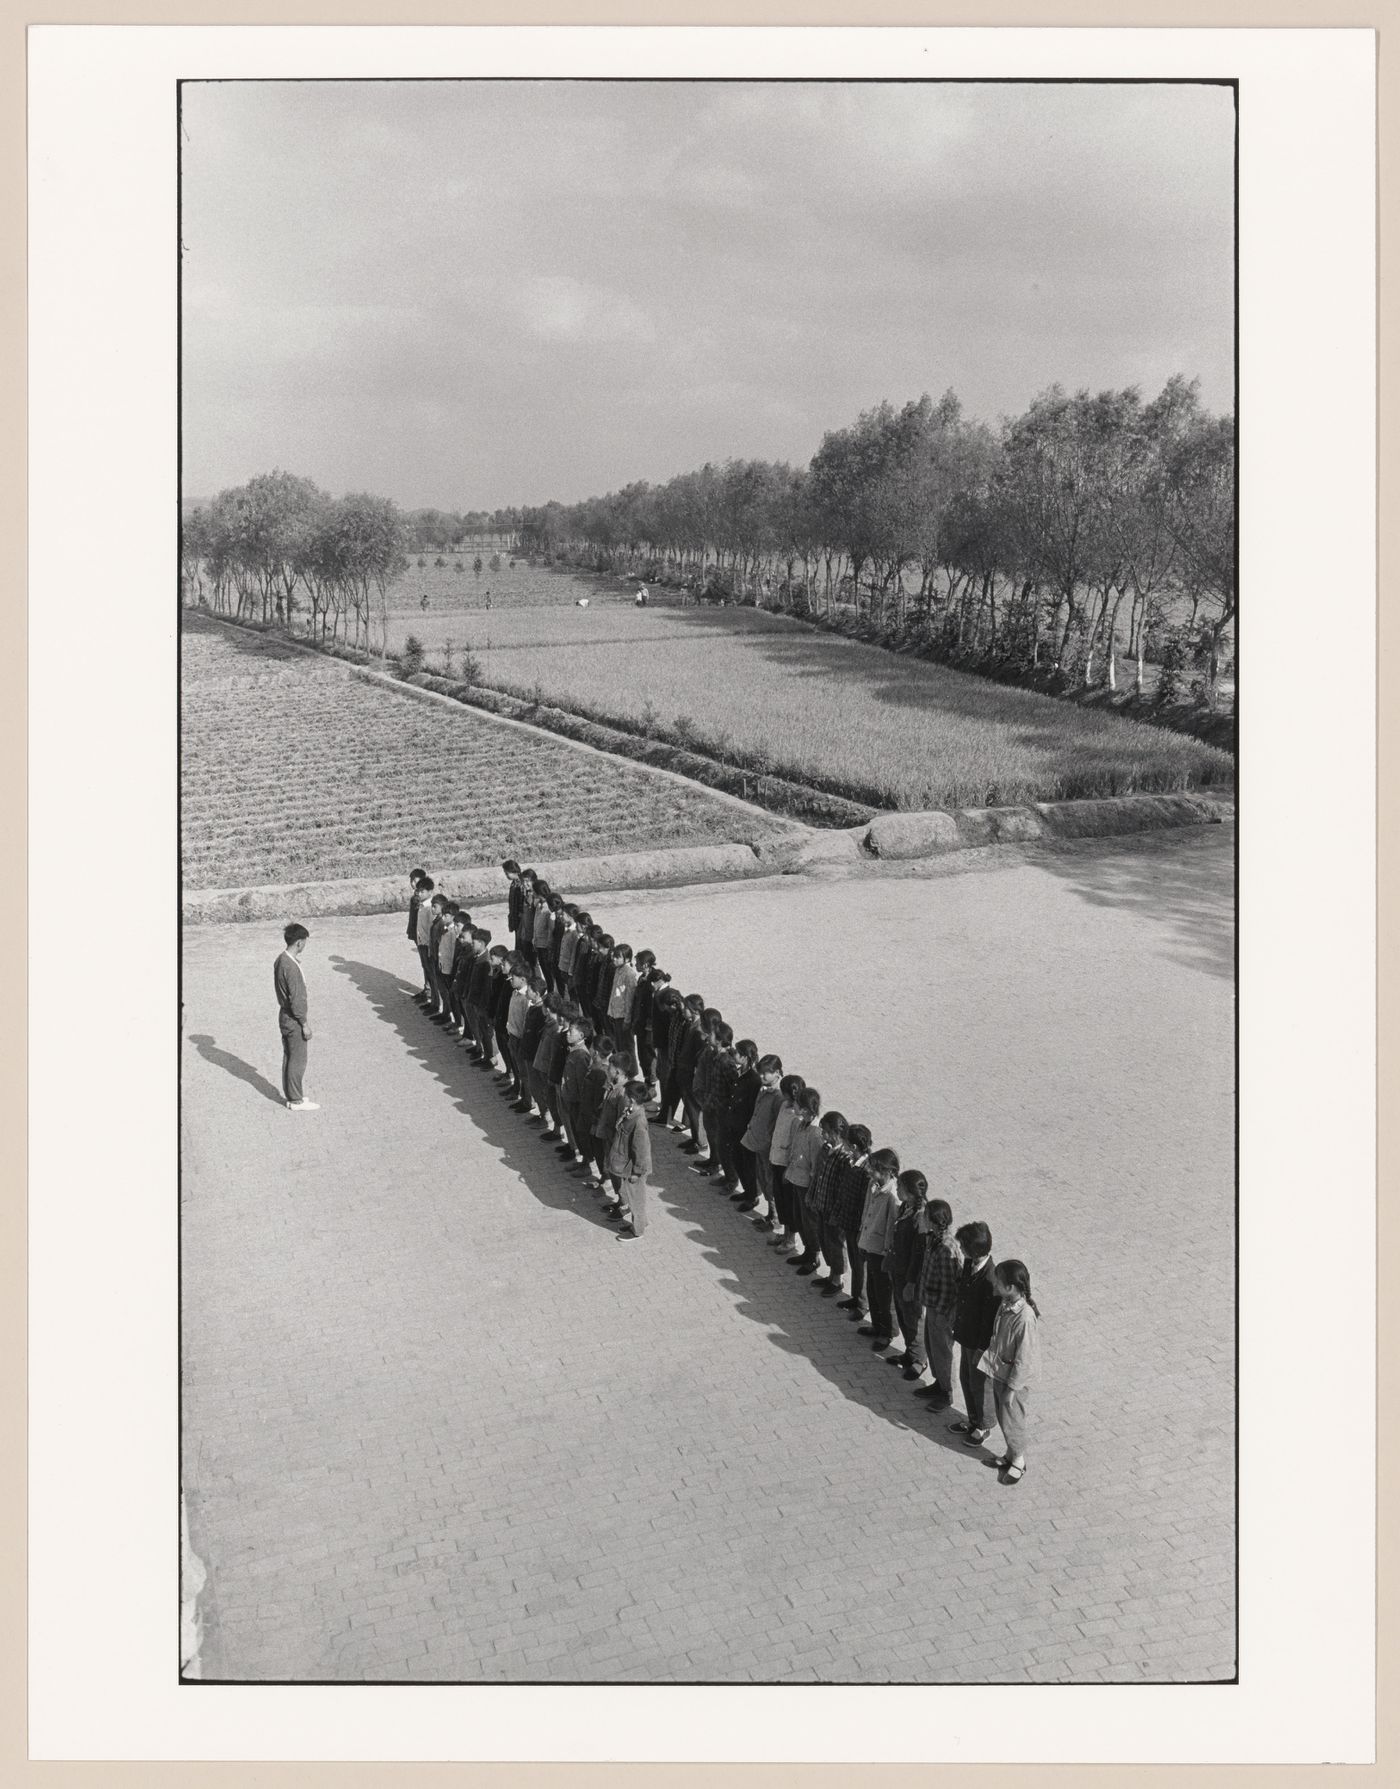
{"points": [[484, 935], [636, 1090], [294, 933], [498, 951], [416, 875], [425, 882], [511, 867], [696, 1002]]}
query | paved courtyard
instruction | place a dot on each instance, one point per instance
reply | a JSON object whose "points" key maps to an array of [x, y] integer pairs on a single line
{"points": [[440, 1423]]}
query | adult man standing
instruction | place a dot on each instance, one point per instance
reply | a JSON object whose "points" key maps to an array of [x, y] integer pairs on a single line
{"points": [[290, 984]]}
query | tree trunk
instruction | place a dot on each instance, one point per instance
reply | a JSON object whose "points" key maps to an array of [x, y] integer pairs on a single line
{"points": [[1111, 646]]}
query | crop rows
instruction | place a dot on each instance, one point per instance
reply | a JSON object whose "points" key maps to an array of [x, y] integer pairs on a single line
{"points": [[293, 771]]}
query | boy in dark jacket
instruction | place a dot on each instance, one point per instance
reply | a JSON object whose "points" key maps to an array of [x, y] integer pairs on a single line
{"points": [[578, 1060], [415, 876], [687, 1040], [595, 1087], [843, 1218], [609, 1111], [629, 1159], [974, 1317], [737, 1113]]}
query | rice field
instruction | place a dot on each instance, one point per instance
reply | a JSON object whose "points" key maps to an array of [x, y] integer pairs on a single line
{"points": [[292, 770], [853, 719]]}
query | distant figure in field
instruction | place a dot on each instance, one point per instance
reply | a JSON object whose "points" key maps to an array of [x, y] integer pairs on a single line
{"points": [[641, 596], [423, 601], [488, 599], [290, 985]]}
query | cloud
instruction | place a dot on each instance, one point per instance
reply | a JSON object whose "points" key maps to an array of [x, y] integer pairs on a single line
{"points": [[559, 308]]}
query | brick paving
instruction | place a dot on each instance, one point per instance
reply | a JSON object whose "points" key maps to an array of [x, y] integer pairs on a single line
{"points": [[441, 1424]]}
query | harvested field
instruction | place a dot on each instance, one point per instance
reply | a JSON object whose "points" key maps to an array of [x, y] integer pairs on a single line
{"points": [[294, 771]]}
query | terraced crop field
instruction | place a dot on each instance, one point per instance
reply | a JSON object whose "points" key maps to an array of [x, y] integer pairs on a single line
{"points": [[292, 770]]}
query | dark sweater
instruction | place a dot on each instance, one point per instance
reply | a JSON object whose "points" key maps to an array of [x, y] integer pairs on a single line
{"points": [[976, 1309]]}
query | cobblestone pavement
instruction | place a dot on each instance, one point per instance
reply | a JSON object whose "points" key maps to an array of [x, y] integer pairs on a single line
{"points": [[440, 1423]]}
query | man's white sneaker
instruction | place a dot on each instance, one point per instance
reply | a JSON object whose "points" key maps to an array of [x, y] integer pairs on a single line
{"points": [[302, 1105]]}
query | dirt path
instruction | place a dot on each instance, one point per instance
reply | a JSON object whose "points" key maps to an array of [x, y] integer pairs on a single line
{"points": [[441, 1424]]}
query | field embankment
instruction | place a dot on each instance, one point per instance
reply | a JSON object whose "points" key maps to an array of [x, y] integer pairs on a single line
{"points": [[293, 771]]}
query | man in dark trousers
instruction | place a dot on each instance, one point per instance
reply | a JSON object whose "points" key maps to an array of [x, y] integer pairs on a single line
{"points": [[290, 984]]}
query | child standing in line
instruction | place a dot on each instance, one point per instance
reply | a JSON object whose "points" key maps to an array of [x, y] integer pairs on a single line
{"points": [[845, 1209], [502, 992], [422, 933], [875, 1238], [938, 1293], [804, 1152], [724, 1072], [566, 946], [515, 895], [700, 1085], [516, 1014], [542, 1060], [621, 997], [755, 1162], [973, 1320], [524, 937], [595, 1087], [629, 1159], [905, 1267], [738, 1112], [415, 877], [826, 1176], [542, 932], [1011, 1362], [664, 1002], [577, 1063], [609, 1112], [603, 980], [643, 1013], [783, 1219], [529, 1044], [688, 1048], [554, 1074]]}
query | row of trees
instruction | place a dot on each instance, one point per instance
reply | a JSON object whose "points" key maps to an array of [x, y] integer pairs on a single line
{"points": [[1089, 525], [278, 544]]}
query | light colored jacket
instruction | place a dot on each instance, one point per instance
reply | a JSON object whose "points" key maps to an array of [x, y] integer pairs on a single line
{"points": [[878, 1219], [783, 1127], [802, 1152], [1013, 1354]]}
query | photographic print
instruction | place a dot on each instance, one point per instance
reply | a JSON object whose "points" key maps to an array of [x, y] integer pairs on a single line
{"points": [[708, 668]]}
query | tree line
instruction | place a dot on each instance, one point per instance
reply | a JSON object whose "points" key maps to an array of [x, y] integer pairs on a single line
{"points": [[1089, 526], [280, 545]]}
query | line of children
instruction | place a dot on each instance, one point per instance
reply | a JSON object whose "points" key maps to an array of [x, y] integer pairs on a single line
{"points": [[589, 1034]]}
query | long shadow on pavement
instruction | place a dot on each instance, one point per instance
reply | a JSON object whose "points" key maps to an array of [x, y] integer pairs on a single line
{"points": [[235, 1066], [521, 1146], [765, 1290]]}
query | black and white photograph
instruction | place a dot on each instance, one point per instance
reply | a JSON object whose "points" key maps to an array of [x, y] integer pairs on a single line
{"points": [[737, 1006], [708, 664]]}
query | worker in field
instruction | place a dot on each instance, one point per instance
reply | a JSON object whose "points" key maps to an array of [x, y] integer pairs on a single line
{"points": [[641, 597]]}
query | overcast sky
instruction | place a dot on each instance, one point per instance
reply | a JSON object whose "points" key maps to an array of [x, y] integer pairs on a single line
{"points": [[470, 294]]}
